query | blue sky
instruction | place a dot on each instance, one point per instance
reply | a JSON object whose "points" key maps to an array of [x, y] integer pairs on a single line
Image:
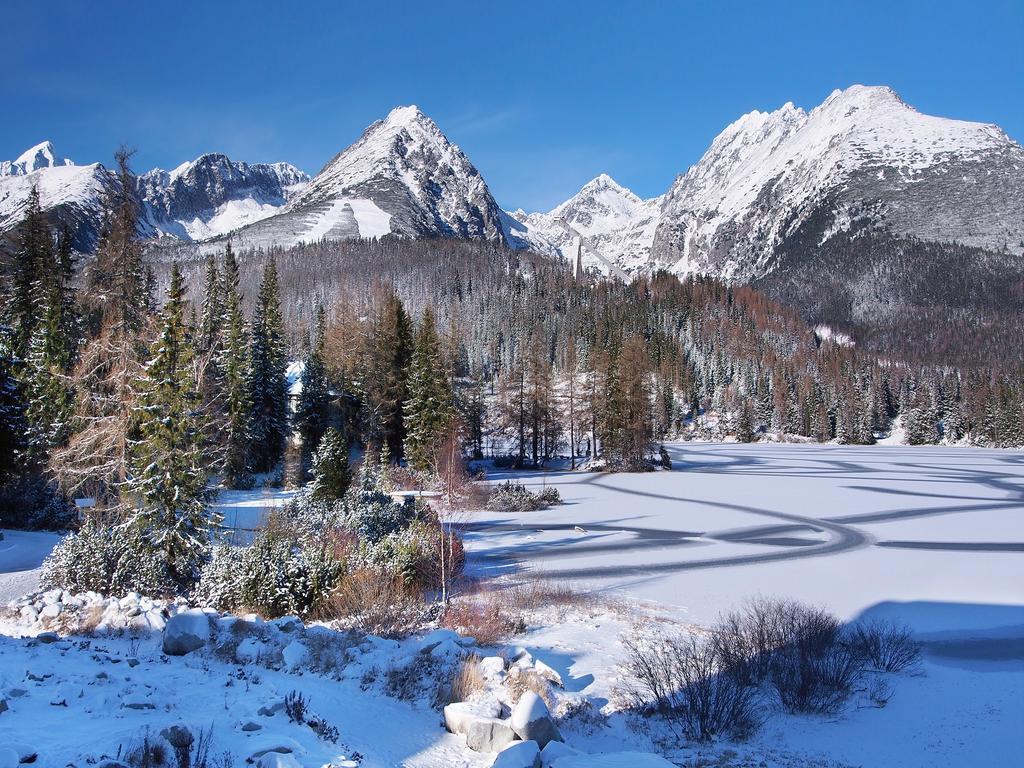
{"points": [[541, 96]]}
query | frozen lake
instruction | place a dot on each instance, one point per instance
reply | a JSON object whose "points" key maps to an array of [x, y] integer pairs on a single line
{"points": [[932, 535]]}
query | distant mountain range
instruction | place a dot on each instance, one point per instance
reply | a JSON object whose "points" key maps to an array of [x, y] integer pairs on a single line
{"points": [[771, 192]]}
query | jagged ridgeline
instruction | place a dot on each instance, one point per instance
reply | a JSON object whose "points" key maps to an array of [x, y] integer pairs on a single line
{"points": [[708, 347]]}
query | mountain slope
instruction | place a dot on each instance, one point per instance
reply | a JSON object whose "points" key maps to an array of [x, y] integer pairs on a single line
{"points": [[213, 195], [861, 158], [70, 194], [401, 177]]}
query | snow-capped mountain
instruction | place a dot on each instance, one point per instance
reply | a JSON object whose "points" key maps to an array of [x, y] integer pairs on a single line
{"points": [[40, 156], [774, 182], [401, 177], [70, 193], [615, 225], [214, 195]]}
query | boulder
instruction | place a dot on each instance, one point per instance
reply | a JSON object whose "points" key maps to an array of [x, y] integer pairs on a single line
{"points": [[532, 721], [295, 655], [178, 736], [489, 734], [548, 673], [615, 760], [186, 632], [47, 637], [278, 760], [492, 667], [521, 754], [457, 717], [251, 726], [555, 750]]}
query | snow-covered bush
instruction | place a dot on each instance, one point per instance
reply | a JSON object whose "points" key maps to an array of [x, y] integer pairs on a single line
{"points": [[111, 561], [274, 576], [516, 497]]}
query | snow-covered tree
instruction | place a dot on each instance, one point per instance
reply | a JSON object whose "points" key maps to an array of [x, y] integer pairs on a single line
{"points": [[234, 409], [428, 408], [311, 410], [168, 485], [268, 385], [331, 472]]}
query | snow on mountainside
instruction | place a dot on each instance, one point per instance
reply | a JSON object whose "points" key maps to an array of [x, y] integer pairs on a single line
{"points": [[72, 193], [616, 226], [213, 195], [40, 156], [401, 177], [861, 157]]}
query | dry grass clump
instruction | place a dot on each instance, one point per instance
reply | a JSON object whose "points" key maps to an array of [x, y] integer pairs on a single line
{"points": [[466, 680], [535, 594], [520, 680], [376, 603]]}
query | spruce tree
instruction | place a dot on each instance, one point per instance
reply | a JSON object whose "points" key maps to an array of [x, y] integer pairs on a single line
{"points": [[268, 384], [13, 424], [235, 406], [331, 472], [428, 409], [213, 309], [33, 257], [168, 485], [310, 418]]}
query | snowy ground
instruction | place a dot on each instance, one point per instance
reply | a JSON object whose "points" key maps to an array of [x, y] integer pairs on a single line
{"points": [[21, 554], [931, 537]]}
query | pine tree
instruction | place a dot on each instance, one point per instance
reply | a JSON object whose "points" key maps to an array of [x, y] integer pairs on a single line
{"points": [[331, 472], [33, 258], [168, 484], [387, 379], [311, 411], [52, 350], [13, 424], [213, 309], [235, 409], [268, 384], [428, 408]]}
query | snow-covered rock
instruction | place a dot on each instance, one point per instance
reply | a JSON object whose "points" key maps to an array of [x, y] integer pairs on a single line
{"points": [[489, 734], [459, 716], [554, 751], [532, 721], [614, 760], [521, 754], [295, 654], [186, 632], [492, 667]]}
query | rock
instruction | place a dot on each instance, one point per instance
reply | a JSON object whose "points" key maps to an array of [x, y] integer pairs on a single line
{"points": [[532, 721], [615, 760], [489, 734], [271, 710], [547, 673], [278, 760], [492, 667], [133, 662], [250, 650], [17, 693], [522, 658], [178, 736], [555, 750], [186, 632], [112, 764], [47, 637], [457, 717], [289, 624], [274, 749], [521, 754], [3, 706], [251, 726], [295, 655], [137, 701]]}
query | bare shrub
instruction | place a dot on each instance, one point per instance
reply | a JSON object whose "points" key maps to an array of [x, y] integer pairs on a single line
{"points": [[295, 706], [815, 680], [377, 603], [483, 618], [886, 647], [683, 680]]}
